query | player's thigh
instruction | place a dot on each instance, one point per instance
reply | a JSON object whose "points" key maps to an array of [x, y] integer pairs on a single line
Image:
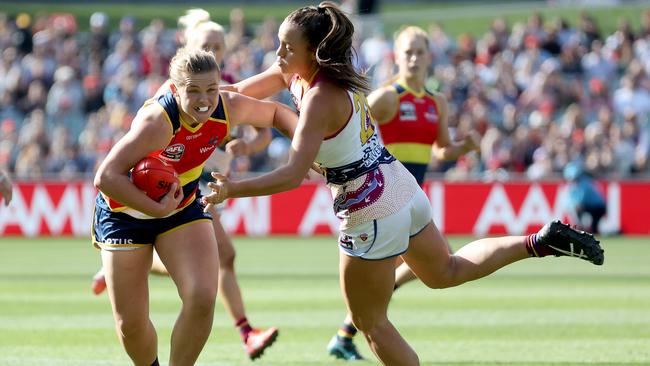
{"points": [[429, 256], [367, 286], [126, 273], [224, 243], [190, 254]]}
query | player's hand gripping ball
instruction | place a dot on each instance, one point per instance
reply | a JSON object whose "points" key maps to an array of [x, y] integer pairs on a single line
{"points": [[154, 177]]}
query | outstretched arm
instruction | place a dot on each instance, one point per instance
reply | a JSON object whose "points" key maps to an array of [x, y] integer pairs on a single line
{"points": [[309, 133], [262, 85], [260, 113], [444, 148]]}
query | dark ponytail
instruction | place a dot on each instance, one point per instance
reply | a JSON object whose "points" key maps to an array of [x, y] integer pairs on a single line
{"points": [[329, 32]]}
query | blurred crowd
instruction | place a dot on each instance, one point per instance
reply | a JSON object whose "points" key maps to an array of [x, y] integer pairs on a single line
{"points": [[543, 93]]}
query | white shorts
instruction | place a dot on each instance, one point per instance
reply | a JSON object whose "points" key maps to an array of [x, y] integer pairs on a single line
{"points": [[388, 236]]}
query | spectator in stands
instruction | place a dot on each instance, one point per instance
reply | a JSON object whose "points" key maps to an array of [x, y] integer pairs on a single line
{"points": [[124, 53], [65, 102], [98, 45], [5, 187], [597, 63], [36, 98], [585, 198], [126, 30], [239, 31], [22, 37], [631, 96]]}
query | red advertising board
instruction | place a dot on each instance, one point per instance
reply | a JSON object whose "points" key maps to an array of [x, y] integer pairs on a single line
{"points": [[56, 208]]}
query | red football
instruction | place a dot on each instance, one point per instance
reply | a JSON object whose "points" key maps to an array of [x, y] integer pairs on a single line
{"points": [[154, 177]]}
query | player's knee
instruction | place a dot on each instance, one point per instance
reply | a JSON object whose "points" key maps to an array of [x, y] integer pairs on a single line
{"points": [[443, 277], [227, 260], [374, 329], [438, 280], [366, 322], [131, 326], [201, 304], [200, 299]]}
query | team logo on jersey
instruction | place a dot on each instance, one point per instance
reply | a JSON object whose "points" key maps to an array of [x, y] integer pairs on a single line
{"points": [[346, 241], [173, 152], [407, 111], [431, 115], [212, 144]]}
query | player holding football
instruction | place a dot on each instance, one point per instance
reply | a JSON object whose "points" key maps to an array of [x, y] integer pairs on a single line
{"points": [[199, 32], [182, 126], [384, 213]]}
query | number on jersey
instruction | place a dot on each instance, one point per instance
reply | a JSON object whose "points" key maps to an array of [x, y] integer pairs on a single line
{"points": [[361, 106]]}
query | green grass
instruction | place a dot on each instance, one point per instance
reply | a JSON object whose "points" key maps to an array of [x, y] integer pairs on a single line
{"points": [[456, 18], [552, 311]]}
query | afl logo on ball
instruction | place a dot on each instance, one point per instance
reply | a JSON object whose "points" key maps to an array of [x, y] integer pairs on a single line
{"points": [[173, 152]]}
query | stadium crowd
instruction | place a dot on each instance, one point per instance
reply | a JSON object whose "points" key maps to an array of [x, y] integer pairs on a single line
{"points": [[542, 93]]}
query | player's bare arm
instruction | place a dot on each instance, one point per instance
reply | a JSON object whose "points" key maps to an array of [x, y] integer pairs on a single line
{"points": [[383, 104], [150, 131], [309, 134], [444, 148], [261, 85], [259, 113]]}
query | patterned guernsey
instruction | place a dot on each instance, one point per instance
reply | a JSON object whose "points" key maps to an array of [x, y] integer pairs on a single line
{"points": [[366, 181], [187, 151]]}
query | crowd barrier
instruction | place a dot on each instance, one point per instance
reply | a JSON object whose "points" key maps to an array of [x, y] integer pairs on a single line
{"points": [[472, 208]]}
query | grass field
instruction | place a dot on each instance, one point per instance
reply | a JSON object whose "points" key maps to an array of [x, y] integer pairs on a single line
{"points": [[552, 311]]}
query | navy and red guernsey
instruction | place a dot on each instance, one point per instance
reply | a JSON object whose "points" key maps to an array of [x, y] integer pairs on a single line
{"points": [[188, 150]]}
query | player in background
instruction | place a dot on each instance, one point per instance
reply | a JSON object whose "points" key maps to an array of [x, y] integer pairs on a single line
{"points": [[412, 124], [199, 32], [5, 187], [384, 213]]}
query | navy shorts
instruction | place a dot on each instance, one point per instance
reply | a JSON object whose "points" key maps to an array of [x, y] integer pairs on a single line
{"points": [[119, 231]]}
